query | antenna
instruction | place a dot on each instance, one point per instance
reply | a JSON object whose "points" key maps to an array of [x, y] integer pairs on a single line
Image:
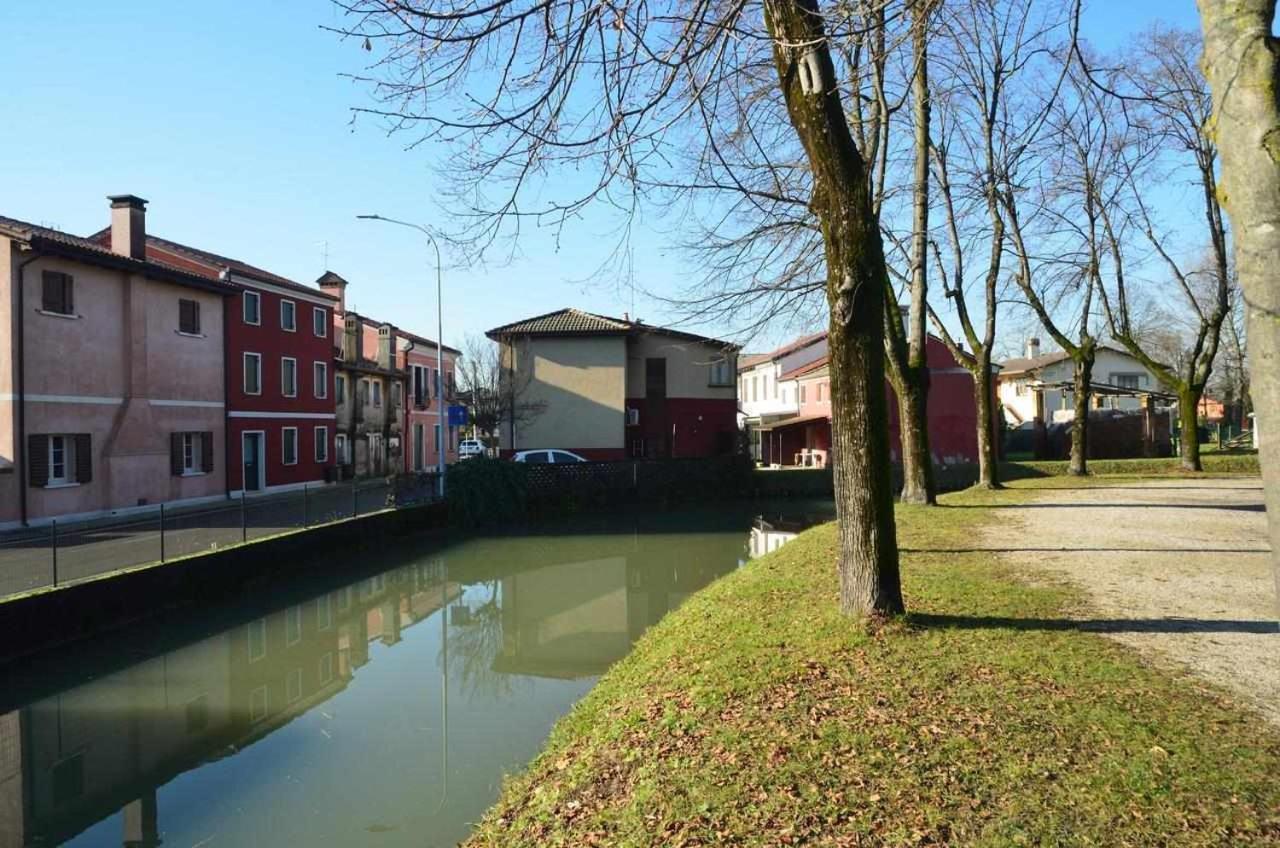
{"points": [[324, 255]]}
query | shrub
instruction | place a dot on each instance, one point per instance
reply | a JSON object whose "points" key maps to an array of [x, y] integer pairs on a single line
{"points": [[486, 492]]}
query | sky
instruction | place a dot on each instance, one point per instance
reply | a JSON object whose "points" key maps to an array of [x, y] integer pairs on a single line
{"points": [[235, 122]]}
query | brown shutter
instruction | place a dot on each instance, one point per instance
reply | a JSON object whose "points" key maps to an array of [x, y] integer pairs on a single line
{"points": [[38, 460], [206, 453], [175, 454], [84, 458]]}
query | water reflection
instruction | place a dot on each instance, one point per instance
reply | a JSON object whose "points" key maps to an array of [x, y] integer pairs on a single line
{"points": [[383, 710]]}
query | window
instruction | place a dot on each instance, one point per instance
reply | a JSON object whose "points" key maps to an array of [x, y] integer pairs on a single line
{"points": [[420, 397], [435, 381], [257, 634], [340, 388], [62, 461], [802, 394], [1020, 387], [537, 458], [340, 448], [322, 444], [1127, 381], [253, 373], [820, 387], [288, 315], [319, 322], [189, 317], [293, 624], [435, 448], [344, 599], [326, 668], [395, 394], [258, 704], [293, 685], [68, 779], [190, 453], [56, 293], [320, 383], [288, 376], [324, 612], [362, 392], [755, 388], [289, 446], [376, 390], [561, 457], [252, 307], [721, 375]]}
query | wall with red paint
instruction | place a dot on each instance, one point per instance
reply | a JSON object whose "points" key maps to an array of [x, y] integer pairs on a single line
{"points": [[698, 427]]}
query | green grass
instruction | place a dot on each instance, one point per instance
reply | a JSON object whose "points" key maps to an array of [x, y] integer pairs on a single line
{"points": [[1213, 463], [757, 715]]}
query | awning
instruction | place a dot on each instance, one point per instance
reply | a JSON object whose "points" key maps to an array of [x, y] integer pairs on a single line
{"points": [[798, 419]]}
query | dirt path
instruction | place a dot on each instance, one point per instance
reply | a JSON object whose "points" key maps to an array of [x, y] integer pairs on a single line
{"points": [[1176, 568]]}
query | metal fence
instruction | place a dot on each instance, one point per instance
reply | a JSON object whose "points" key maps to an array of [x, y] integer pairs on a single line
{"points": [[61, 553]]}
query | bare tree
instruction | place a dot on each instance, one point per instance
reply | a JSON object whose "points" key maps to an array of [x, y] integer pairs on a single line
{"points": [[1173, 109], [494, 399], [518, 88], [1242, 65]]}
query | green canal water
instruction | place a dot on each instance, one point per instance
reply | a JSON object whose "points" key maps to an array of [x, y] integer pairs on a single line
{"points": [[378, 700]]}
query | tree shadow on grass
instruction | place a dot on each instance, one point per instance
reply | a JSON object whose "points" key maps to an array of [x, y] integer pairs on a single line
{"points": [[1081, 549], [1170, 624], [1235, 507]]}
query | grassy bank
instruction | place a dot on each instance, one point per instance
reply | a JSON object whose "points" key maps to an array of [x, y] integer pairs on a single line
{"points": [[756, 715]]}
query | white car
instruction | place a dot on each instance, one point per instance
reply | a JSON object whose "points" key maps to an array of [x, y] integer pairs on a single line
{"points": [[547, 457], [468, 448]]}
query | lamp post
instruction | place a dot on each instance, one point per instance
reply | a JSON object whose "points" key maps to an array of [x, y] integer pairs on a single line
{"points": [[439, 337]]}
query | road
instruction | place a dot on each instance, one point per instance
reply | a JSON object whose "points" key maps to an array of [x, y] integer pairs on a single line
{"points": [[27, 557]]}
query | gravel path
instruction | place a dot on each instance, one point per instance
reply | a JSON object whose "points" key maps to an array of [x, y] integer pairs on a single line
{"points": [[1177, 568]]}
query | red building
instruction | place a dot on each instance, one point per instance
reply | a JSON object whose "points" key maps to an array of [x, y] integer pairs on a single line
{"points": [[804, 437], [279, 373]]}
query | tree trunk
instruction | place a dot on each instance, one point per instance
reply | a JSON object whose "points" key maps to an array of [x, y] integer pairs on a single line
{"points": [[988, 455], [856, 282], [917, 459], [1243, 68], [1189, 445], [1080, 426]]}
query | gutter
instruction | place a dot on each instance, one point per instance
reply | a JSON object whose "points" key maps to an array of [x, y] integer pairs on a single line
{"points": [[22, 389], [225, 276]]}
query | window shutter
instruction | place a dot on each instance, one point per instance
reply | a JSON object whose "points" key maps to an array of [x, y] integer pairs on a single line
{"points": [[51, 292], [175, 454], [206, 452], [38, 460], [84, 458]]}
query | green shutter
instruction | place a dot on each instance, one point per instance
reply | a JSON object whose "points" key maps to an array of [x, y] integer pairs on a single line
{"points": [[206, 452], [84, 458], [175, 454], [38, 460]]}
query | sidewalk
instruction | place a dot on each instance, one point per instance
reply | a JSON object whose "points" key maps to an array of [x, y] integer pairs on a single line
{"points": [[36, 557]]}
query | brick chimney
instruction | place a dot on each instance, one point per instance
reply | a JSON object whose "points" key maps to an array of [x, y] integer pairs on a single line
{"points": [[1033, 348], [386, 346], [331, 283], [351, 339], [128, 225]]}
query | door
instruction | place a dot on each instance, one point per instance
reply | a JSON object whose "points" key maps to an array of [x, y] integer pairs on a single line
{"points": [[657, 438], [251, 452], [375, 453], [419, 447]]}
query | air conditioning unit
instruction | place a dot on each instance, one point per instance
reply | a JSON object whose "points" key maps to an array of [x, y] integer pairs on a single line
{"points": [[633, 417]]}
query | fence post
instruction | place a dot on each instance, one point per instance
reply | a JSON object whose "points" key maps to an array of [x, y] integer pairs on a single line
{"points": [[244, 522], [54, 531], [162, 532], [355, 499], [306, 513]]}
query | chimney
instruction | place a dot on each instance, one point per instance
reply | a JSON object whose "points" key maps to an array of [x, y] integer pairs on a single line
{"points": [[331, 283], [351, 339], [386, 346], [128, 225], [1033, 348]]}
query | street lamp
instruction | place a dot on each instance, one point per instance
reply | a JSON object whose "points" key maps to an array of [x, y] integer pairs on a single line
{"points": [[439, 337]]}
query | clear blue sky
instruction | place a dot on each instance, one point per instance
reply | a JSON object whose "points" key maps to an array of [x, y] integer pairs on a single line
{"points": [[232, 119]]}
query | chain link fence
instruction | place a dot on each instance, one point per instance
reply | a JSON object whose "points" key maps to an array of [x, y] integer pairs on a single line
{"points": [[61, 553]]}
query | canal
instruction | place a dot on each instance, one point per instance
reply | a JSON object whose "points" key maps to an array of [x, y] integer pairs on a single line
{"points": [[378, 700]]}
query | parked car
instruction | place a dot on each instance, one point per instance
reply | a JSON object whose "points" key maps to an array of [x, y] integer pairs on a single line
{"points": [[468, 448], [547, 457]]}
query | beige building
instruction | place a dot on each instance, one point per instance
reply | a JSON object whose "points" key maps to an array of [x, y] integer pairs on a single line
{"points": [[611, 388]]}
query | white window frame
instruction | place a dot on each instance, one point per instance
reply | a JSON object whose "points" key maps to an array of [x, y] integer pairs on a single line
{"points": [[244, 306], [257, 359], [320, 376], [254, 715], [340, 448], [324, 612], [293, 624], [284, 442], [292, 327], [293, 686], [261, 625], [340, 388], [294, 393], [192, 454], [320, 322], [375, 392], [326, 668], [67, 444], [721, 374], [321, 448]]}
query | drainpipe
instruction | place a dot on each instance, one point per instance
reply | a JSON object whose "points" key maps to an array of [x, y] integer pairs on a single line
{"points": [[22, 390], [408, 387], [225, 276]]}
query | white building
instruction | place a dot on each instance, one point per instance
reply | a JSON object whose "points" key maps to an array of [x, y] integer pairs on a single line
{"points": [[1035, 385], [763, 396]]}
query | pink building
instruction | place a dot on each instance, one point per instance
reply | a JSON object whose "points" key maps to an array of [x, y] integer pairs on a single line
{"points": [[428, 397], [111, 382]]}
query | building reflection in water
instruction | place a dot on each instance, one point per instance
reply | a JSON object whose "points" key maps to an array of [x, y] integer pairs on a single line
{"points": [[166, 747]]}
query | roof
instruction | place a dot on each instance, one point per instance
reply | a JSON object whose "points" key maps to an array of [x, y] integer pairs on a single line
{"points": [[575, 322], [56, 242], [218, 262], [795, 419], [1022, 364], [790, 347], [805, 370]]}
